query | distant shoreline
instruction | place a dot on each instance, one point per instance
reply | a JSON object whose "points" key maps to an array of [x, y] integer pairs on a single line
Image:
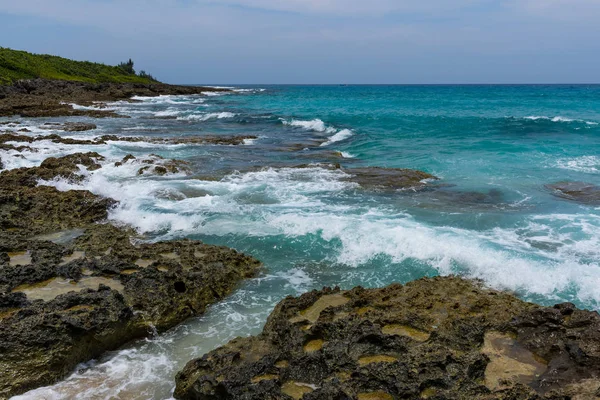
{"points": [[54, 98]]}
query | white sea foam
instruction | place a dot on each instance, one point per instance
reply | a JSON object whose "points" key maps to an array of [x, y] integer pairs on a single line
{"points": [[141, 128], [171, 111], [289, 202], [345, 154], [316, 125], [214, 94], [589, 164], [558, 119], [338, 137], [40, 150], [555, 256], [239, 90], [90, 108], [206, 117]]}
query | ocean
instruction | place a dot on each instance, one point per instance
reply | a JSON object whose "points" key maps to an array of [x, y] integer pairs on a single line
{"points": [[490, 216]]}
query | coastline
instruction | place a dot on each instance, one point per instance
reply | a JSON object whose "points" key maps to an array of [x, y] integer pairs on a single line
{"points": [[95, 237], [73, 286], [54, 98]]}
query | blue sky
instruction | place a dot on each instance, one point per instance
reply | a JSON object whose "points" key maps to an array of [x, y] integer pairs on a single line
{"points": [[319, 41]]}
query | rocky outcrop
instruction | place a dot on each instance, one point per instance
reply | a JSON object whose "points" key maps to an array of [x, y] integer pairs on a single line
{"points": [[388, 178], [440, 338], [14, 136], [71, 289], [70, 126], [51, 98], [580, 192], [64, 304]]}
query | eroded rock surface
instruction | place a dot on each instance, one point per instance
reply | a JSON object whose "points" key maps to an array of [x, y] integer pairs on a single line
{"points": [[440, 338], [71, 288]]}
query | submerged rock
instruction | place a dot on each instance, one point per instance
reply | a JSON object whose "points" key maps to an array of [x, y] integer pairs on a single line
{"points": [[388, 178], [576, 191], [440, 338]]}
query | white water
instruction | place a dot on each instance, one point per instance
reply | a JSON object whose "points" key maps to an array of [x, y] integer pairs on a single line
{"points": [[312, 229]]}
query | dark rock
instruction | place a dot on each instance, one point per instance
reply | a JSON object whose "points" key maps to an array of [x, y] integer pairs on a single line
{"points": [[78, 126], [119, 292], [66, 167], [65, 301], [45, 209], [53, 98], [581, 192], [440, 338], [388, 178]]}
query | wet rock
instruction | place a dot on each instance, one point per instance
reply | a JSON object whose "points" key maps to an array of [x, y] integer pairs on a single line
{"points": [[70, 303], [43, 209], [66, 167], [388, 178], [157, 165], [442, 338], [71, 289], [70, 126], [581, 192], [190, 140]]}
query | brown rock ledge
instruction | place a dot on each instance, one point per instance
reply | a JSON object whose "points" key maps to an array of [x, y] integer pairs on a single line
{"points": [[71, 289], [440, 338]]}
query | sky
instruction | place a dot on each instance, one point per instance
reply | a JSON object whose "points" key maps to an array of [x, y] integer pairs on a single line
{"points": [[319, 41]]}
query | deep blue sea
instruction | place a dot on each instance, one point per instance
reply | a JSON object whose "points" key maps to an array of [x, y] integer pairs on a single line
{"points": [[491, 217]]}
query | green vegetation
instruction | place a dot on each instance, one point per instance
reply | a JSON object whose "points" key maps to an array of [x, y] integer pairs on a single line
{"points": [[15, 65]]}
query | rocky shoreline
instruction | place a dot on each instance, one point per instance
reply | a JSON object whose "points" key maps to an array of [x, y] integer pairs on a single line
{"points": [[440, 338], [54, 98], [73, 287]]}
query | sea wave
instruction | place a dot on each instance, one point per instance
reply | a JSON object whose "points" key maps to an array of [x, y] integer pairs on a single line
{"points": [[558, 119], [338, 137], [589, 164], [315, 125], [206, 117], [292, 203]]}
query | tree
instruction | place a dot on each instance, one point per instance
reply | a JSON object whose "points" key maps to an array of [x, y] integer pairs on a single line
{"points": [[127, 67]]}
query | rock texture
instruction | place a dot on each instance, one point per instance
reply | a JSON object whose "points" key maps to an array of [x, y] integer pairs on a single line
{"points": [[52, 98], [71, 288], [440, 338]]}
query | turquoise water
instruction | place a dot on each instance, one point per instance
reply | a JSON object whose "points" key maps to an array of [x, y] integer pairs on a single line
{"points": [[489, 216]]}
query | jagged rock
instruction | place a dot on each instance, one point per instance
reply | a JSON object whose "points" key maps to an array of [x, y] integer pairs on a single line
{"points": [[118, 292], [66, 167], [70, 126], [68, 295], [157, 165], [440, 338], [44, 209]]}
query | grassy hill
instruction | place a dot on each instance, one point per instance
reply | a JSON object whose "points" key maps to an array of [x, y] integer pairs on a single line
{"points": [[15, 65]]}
